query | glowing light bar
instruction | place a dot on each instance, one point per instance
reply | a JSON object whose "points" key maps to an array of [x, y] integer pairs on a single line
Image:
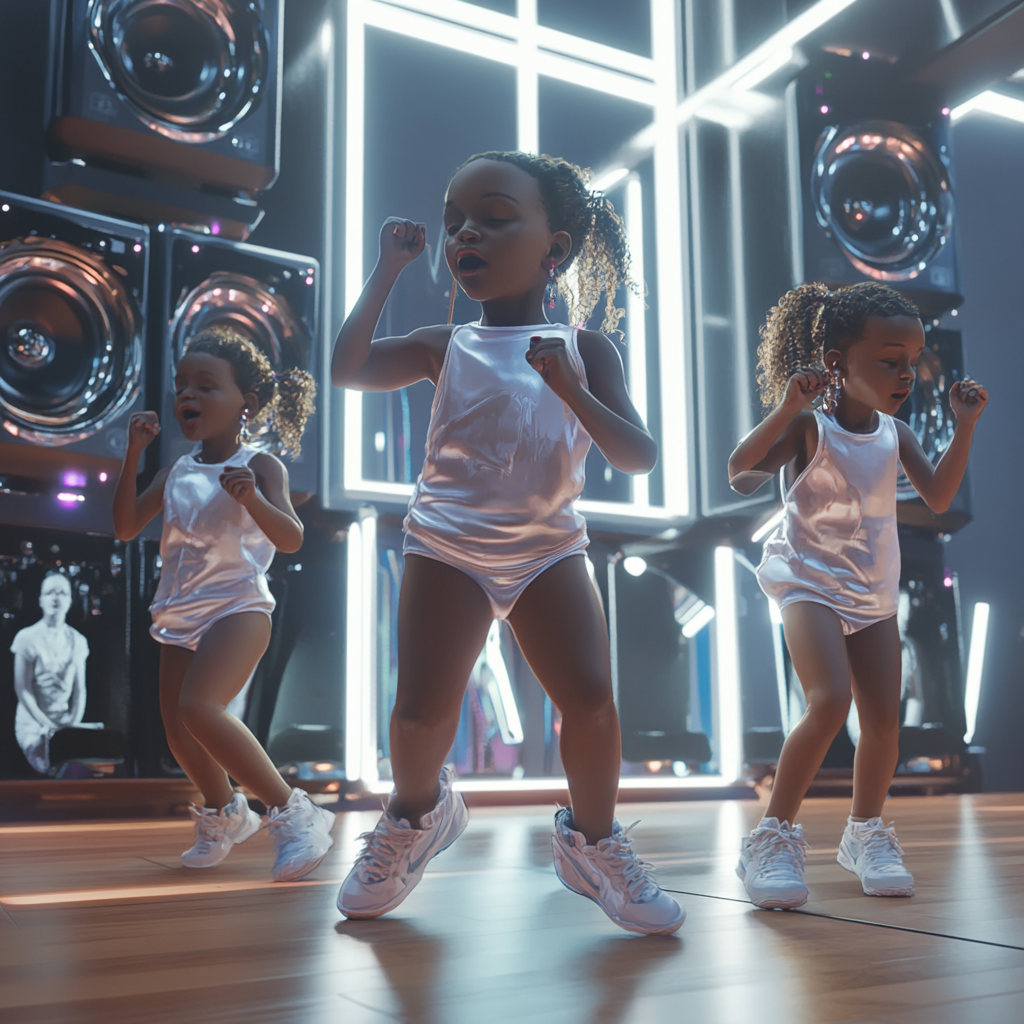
{"points": [[773, 62], [356, 687], [502, 697], [989, 102], [560, 784], [608, 179], [70, 498], [73, 478], [730, 735], [699, 620], [633, 214], [766, 527], [975, 667]]}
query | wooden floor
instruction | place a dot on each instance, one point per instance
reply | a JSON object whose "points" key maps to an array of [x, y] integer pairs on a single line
{"points": [[99, 923]]}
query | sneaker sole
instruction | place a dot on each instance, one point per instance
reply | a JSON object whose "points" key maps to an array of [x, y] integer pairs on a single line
{"points": [[369, 915], [846, 861], [629, 926], [253, 825], [770, 902], [296, 873]]}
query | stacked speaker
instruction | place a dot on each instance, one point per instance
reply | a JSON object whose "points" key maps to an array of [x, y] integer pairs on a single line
{"points": [[162, 135]]}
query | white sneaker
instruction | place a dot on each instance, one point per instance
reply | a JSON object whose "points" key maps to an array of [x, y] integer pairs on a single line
{"points": [[302, 836], [614, 877], [872, 852], [771, 865], [217, 831], [391, 863]]}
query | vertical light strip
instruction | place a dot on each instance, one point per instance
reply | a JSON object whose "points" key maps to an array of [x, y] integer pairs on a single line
{"points": [[327, 282], [668, 245], [368, 670], [781, 682], [975, 667], [613, 628], [796, 200], [527, 91], [727, 675], [636, 339], [741, 368], [355, 87], [354, 656]]}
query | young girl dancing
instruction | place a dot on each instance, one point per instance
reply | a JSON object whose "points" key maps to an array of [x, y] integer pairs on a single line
{"points": [[833, 563], [491, 530], [226, 511]]}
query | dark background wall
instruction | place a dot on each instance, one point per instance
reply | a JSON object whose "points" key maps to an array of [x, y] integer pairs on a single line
{"points": [[989, 553]]}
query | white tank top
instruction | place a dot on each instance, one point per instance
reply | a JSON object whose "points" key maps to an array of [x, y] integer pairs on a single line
{"points": [[837, 540], [214, 556], [505, 455]]}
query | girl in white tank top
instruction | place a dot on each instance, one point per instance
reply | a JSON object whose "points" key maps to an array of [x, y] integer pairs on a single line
{"points": [[832, 565], [492, 531], [226, 512]]}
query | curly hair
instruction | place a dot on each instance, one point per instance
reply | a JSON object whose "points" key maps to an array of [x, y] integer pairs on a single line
{"points": [[285, 400], [600, 251], [811, 320]]}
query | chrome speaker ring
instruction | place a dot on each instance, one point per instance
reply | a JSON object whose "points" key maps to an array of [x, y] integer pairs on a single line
{"points": [[70, 342], [208, 77], [884, 196]]}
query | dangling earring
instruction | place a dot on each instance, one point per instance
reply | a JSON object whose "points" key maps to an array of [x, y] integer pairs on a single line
{"points": [[243, 433], [832, 391], [552, 288]]}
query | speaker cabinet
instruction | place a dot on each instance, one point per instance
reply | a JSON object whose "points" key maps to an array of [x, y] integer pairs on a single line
{"points": [[267, 295], [73, 291], [187, 90], [876, 182]]}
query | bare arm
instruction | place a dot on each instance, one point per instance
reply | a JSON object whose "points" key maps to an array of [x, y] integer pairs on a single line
{"points": [[603, 407], [78, 695], [132, 511], [262, 489], [388, 363], [25, 694], [938, 484], [785, 434]]}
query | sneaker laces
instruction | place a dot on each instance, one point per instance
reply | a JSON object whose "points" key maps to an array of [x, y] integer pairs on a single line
{"points": [[208, 827], [882, 847], [781, 853], [384, 845], [637, 873], [283, 827]]}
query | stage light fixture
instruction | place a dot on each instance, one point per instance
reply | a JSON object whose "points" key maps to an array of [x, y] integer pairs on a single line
{"points": [[989, 102], [634, 565], [729, 724], [975, 667], [701, 617]]}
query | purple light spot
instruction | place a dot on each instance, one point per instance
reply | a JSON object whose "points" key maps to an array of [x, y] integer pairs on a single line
{"points": [[824, 108], [215, 228], [137, 247], [309, 280], [72, 478], [865, 55], [103, 478], [195, 248], [945, 111]]}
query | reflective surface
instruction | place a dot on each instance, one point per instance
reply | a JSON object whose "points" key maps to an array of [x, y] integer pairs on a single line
{"points": [[884, 196], [70, 341], [190, 69]]}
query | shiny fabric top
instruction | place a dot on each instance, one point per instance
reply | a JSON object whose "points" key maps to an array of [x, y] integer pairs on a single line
{"points": [[837, 543], [214, 556], [505, 456]]}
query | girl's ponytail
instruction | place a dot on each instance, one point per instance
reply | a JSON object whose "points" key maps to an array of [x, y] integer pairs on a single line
{"points": [[291, 407]]}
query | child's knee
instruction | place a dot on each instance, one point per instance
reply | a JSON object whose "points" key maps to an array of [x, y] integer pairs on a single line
{"points": [[830, 706], [591, 699]]}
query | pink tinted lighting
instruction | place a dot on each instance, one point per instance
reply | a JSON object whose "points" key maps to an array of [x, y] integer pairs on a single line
{"points": [[195, 248], [824, 109], [66, 498], [137, 247], [72, 478], [945, 111], [309, 280], [215, 228], [947, 581], [103, 478], [865, 55]]}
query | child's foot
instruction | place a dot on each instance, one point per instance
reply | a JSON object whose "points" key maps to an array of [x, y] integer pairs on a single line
{"points": [[302, 836], [771, 865], [218, 831], [614, 877], [391, 863], [873, 853]]}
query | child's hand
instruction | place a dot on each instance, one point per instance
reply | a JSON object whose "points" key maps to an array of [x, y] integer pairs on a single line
{"points": [[401, 241], [240, 483], [142, 430], [967, 399], [806, 384], [550, 358]]}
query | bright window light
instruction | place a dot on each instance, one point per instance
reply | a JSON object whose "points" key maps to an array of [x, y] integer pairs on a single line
{"points": [[729, 724], [502, 695], [634, 565], [699, 620], [989, 102], [766, 527], [355, 685], [975, 667], [636, 309]]}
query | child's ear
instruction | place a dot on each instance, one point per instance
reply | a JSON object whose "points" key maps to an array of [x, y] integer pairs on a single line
{"points": [[561, 246], [834, 361]]}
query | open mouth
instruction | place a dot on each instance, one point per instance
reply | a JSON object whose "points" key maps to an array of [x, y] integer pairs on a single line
{"points": [[901, 395], [470, 262], [188, 415]]}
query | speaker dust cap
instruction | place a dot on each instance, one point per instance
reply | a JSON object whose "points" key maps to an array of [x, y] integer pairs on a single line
{"points": [[70, 342], [882, 193], [189, 69]]}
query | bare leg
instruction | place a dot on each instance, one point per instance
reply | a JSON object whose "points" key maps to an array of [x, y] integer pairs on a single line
{"points": [[202, 770], [224, 660], [814, 636], [443, 619], [562, 633], [876, 659]]}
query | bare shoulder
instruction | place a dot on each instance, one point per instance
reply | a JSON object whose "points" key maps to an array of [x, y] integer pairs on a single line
{"points": [[268, 469], [600, 355], [434, 341]]}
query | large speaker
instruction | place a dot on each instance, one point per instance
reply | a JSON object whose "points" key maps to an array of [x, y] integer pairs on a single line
{"points": [[876, 181], [267, 295], [73, 291]]}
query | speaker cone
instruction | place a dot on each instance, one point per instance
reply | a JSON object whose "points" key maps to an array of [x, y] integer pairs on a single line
{"points": [[884, 196], [190, 69], [70, 342]]}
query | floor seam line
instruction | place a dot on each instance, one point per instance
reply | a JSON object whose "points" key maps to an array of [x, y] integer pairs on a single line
{"points": [[856, 920]]}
